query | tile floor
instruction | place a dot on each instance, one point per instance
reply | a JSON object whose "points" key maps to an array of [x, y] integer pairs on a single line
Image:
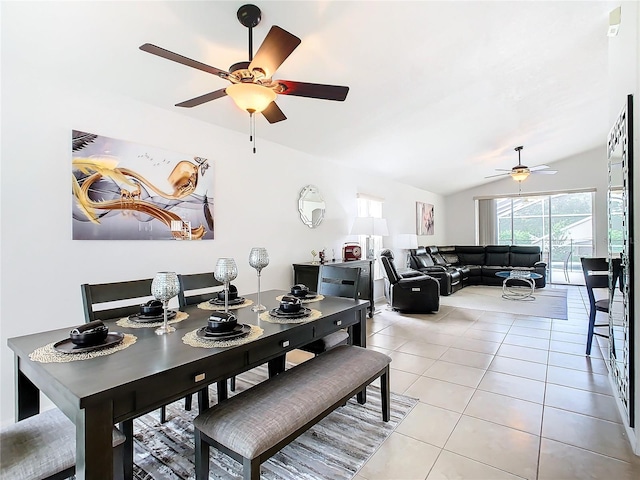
{"points": [[501, 397]]}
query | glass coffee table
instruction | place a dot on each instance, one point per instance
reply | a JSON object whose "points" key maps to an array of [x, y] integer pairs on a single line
{"points": [[518, 284]]}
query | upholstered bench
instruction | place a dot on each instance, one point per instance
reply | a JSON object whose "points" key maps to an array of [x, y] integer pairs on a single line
{"points": [[44, 446], [255, 424]]}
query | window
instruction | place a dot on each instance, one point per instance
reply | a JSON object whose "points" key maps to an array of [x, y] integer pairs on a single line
{"points": [[561, 224], [370, 206]]}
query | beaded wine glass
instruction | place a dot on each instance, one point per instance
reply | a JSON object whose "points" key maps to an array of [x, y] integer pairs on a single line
{"points": [[164, 287], [258, 259], [226, 271]]}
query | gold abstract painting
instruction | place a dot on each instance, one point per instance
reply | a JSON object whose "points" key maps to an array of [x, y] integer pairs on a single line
{"points": [[127, 191]]}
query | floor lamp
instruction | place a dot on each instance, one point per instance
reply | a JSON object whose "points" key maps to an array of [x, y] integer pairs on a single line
{"points": [[370, 226], [407, 241]]}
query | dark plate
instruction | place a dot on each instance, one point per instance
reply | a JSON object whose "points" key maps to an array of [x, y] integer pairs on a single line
{"points": [[67, 346], [238, 331], [303, 312], [220, 303], [309, 296], [138, 317]]}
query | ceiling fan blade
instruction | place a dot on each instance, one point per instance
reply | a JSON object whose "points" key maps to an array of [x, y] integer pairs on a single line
{"points": [[276, 47], [273, 114], [314, 90], [207, 97], [546, 172], [498, 175], [175, 57], [538, 167]]}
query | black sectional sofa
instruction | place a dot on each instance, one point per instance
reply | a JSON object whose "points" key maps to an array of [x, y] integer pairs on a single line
{"points": [[457, 266]]}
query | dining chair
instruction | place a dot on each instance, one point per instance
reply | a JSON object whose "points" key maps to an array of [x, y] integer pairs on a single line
{"points": [[117, 300], [43, 446], [596, 277], [337, 282], [192, 288], [196, 288]]}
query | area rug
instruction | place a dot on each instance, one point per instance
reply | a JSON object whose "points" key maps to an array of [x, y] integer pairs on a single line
{"points": [[549, 302], [335, 448]]}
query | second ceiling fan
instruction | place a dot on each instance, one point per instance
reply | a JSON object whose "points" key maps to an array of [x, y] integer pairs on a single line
{"points": [[521, 172], [252, 86]]}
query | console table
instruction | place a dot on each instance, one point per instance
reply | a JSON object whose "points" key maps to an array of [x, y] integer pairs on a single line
{"points": [[307, 274]]}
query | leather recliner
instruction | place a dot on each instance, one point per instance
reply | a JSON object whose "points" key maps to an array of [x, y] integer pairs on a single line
{"points": [[450, 278], [413, 293]]}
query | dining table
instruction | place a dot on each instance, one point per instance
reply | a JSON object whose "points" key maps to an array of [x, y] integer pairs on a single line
{"points": [[155, 370]]}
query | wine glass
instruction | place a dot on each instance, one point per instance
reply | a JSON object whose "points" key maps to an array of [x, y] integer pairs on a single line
{"points": [[225, 271], [164, 287], [258, 259]]}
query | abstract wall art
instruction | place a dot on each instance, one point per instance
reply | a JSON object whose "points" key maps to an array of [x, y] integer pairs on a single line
{"points": [[424, 219], [127, 191]]}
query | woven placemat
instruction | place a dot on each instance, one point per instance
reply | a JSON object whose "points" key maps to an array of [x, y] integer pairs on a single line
{"points": [[209, 306], [267, 317], [48, 354], [317, 298], [126, 323], [193, 340]]}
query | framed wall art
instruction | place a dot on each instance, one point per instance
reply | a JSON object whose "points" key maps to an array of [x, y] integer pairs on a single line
{"points": [[424, 219], [127, 191]]}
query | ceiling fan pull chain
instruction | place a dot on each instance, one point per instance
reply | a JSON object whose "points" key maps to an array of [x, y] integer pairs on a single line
{"points": [[252, 128], [254, 134]]}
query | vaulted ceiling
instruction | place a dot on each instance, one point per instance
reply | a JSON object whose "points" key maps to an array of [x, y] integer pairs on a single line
{"points": [[440, 92]]}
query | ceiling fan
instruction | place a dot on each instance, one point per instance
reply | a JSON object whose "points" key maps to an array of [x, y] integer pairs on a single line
{"points": [[252, 86], [520, 172]]}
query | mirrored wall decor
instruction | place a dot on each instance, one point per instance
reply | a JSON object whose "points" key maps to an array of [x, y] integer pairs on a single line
{"points": [[620, 241], [311, 206]]}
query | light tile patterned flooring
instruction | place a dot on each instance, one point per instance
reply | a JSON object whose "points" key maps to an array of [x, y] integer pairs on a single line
{"points": [[501, 397]]}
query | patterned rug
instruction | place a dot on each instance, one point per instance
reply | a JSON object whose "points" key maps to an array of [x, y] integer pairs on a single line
{"points": [[335, 448]]}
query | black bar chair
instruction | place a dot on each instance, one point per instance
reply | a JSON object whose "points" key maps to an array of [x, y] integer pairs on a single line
{"points": [[596, 276]]}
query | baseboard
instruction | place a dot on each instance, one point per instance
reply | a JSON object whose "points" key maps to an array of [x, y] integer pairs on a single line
{"points": [[631, 432]]}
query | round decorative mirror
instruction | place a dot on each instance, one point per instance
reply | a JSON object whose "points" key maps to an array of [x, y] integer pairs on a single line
{"points": [[311, 206]]}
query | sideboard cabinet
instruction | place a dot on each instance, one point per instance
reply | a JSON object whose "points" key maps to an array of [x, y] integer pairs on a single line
{"points": [[307, 274]]}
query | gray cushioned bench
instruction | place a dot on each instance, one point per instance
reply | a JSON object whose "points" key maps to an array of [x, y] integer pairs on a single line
{"points": [[44, 446], [255, 424]]}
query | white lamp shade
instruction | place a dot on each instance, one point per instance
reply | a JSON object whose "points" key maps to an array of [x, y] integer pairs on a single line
{"points": [[251, 97], [370, 226], [407, 240]]}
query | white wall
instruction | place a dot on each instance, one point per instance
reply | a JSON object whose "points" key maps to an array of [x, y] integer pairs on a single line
{"points": [[586, 170], [256, 201]]}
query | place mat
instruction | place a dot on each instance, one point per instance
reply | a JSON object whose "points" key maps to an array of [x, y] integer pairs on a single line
{"points": [[208, 306], [267, 317], [126, 323], [48, 354], [194, 340], [317, 298]]}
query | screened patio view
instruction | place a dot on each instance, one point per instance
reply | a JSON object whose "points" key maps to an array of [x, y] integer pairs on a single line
{"points": [[560, 224]]}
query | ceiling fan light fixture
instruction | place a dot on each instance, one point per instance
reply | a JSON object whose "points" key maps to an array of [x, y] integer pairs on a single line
{"points": [[520, 174], [251, 97]]}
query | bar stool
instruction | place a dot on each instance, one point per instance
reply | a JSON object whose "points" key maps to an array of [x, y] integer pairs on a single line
{"points": [[596, 276]]}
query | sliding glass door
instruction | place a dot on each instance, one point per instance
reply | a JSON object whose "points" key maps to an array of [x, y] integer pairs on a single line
{"points": [[560, 224]]}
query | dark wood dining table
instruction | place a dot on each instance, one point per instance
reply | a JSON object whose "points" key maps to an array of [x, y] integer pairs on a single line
{"points": [[156, 370]]}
